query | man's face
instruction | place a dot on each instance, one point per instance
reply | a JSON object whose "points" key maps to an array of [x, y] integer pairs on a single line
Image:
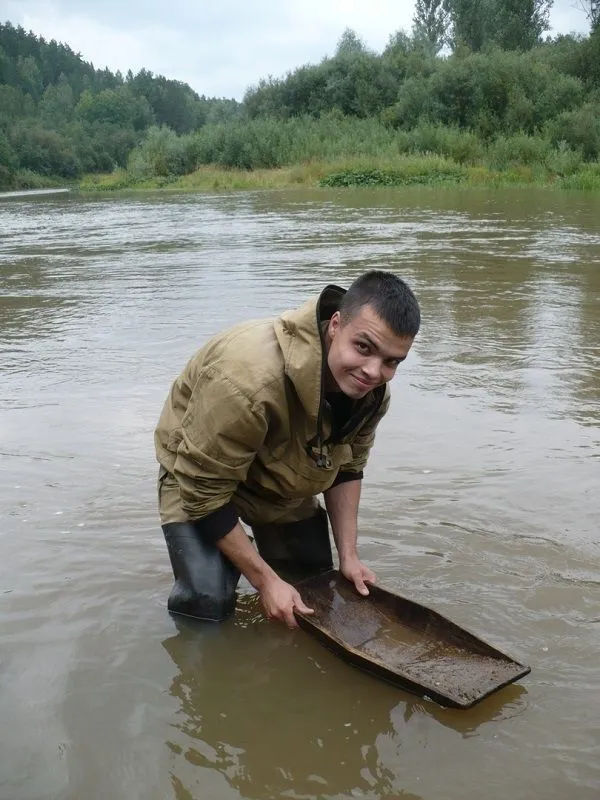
{"points": [[364, 353]]}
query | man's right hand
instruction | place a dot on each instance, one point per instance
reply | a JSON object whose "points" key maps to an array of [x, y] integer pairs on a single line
{"points": [[280, 599]]}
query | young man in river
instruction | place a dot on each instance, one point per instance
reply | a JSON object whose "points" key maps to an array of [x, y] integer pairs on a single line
{"points": [[265, 417]]}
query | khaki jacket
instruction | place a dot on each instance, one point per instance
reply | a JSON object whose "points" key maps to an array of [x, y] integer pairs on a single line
{"points": [[247, 421]]}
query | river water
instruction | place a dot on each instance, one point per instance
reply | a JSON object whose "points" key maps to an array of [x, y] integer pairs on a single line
{"points": [[482, 498]]}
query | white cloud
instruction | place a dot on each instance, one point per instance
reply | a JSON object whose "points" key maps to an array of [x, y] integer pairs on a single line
{"points": [[221, 48], [567, 17]]}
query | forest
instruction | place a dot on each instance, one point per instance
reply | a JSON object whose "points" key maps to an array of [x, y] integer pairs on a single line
{"points": [[476, 91]]}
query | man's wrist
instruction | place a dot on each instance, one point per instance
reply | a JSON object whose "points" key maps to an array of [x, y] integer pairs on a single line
{"points": [[262, 576], [347, 554], [236, 546]]}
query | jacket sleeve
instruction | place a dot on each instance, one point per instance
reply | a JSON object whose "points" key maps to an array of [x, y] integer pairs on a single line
{"points": [[222, 430], [362, 444]]}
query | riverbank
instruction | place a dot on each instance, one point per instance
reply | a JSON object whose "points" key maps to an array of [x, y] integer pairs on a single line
{"points": [[417, 170], [404, 171], [25, 181]]}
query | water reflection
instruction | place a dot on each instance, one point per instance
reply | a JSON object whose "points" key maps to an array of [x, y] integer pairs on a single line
{"points": [[274, 713]]}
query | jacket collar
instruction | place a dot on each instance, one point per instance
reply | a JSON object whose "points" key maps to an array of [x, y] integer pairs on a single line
{"points": [[299, 335]]}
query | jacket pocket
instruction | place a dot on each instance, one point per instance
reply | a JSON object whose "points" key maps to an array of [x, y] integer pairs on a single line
{"points": [[298, 476]]}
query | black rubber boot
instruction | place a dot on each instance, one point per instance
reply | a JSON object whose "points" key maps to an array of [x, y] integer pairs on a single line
{"points": [[296, 549], [205, 581]]}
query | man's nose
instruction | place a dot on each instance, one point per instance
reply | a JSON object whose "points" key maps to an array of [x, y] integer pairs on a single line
{"points": [[373, 368]]}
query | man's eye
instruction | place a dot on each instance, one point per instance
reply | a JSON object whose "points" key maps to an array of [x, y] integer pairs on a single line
{"points": [[362, 347]]}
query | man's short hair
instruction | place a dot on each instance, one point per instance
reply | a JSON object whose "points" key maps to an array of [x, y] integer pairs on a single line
{"points": [[389, 296]]}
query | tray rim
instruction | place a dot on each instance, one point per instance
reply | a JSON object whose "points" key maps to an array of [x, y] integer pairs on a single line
{"points": [[396, 677]]}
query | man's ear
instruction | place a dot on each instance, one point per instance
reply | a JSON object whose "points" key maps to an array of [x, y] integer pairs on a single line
{"points": [[334, 323]]}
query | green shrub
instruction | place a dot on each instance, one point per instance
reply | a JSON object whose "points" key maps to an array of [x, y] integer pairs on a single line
{"points": [[586, 179], [518, 150], [7, 178], [43, 151], [580, 130], [162, 154], [424, 171], [563, 161], [460, 145]]}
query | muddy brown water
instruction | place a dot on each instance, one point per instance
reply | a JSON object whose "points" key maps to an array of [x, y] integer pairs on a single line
{"points": [[481, 500]]}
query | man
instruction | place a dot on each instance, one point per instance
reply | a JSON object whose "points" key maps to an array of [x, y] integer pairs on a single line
{"points": [[265, 417]]}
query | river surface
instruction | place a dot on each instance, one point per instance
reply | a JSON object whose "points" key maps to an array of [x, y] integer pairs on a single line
{"points": [[481, 499]]}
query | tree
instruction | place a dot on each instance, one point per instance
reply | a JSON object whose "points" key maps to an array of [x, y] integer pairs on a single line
{"points": [[591, 9], [173, 103], [509, 24], [56, 106], [43, 151], [469, 18], [7, 68], [117, 106], [8, 157], [519, 24], [431, 23], [29, 77], [14, 103], [350, 44]]}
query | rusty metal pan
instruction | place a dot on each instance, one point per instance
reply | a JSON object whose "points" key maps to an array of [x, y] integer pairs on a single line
{"points": [[404, 642]]}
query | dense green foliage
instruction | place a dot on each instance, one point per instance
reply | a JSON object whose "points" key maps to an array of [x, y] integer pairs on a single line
{"points": [[60, 116], [509, 24], [501, 101], [476, 90], [266, 143], [431, 23]]}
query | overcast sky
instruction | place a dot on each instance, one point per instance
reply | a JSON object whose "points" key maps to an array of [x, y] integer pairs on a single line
{"points": [[220, 47]]}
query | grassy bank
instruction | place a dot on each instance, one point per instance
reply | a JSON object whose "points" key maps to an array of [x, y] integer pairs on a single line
{"points": [[416, 170], [25, 179]]}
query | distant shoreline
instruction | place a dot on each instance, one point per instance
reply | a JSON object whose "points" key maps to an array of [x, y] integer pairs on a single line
{"points": [[413, 171], [405, 172]]}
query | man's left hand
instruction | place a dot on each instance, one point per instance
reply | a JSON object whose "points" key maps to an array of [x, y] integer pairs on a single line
{"points": [[354, 570]]}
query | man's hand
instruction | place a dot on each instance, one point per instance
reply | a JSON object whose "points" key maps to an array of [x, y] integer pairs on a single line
{"points": [[279, 600], [354, 570]]}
